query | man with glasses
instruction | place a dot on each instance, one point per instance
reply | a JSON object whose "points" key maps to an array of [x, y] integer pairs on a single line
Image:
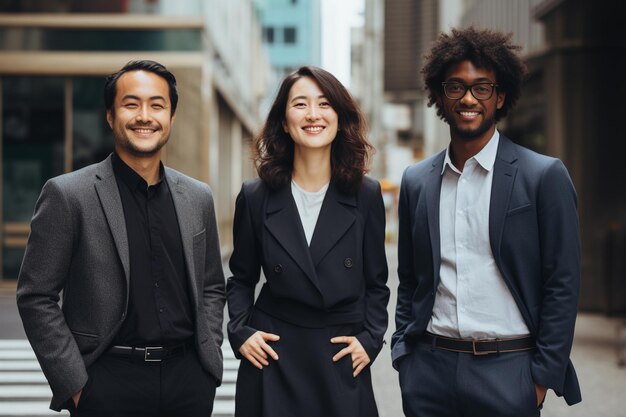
{"points": [[488, 250]]}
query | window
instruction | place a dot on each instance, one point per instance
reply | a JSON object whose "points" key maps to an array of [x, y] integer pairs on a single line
{"points": [[268, 34], [290, 35]]}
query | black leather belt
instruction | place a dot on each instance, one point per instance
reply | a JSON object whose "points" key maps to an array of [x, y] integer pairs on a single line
{"points": [[479, 347], [149, 353]]}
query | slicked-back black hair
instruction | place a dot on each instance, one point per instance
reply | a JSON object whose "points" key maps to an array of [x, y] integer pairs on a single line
{"points": [[110, 85], [485, 49]]}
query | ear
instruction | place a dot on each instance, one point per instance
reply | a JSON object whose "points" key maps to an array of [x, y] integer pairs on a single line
{"points": [[172, 118], [500, 100], [285, 127], [110, 118]]}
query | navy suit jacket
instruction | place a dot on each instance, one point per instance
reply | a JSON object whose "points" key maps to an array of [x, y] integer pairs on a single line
{"points": [[533, 230]]}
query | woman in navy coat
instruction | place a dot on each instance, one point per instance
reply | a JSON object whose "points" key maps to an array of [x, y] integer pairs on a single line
{"points": [[315, 225]]}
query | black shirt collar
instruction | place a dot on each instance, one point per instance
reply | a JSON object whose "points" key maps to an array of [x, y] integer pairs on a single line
{"points": [[129, 176]]}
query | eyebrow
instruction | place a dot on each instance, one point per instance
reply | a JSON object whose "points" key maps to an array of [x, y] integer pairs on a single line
{"points": [[305, 97], [132, 97]]}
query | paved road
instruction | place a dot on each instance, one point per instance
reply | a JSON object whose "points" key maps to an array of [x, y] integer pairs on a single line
{"points": [[594, 354]]}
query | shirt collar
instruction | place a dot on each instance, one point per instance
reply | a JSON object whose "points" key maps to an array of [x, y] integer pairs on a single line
{"points": [[485, 158], [129, 176]]}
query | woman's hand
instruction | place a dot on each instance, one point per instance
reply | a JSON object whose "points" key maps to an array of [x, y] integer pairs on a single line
{"points": [[360, 358], [256, 349]]}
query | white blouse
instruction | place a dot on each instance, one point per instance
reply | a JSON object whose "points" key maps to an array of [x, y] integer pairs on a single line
{"points": [[309, 205]]}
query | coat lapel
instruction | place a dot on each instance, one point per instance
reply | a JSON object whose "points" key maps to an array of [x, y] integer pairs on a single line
{"points": [[111, 202], [283, 222], [433, 193], [185, 214], [334, 220], [501, 188]]}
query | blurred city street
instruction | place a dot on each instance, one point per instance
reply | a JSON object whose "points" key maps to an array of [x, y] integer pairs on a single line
{"points": [[594, 355]]}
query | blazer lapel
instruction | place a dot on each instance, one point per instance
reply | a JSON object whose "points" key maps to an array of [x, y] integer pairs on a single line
{"points": [[185, 213], [501, 188], [333, 222], [109, 195], [433, 194], [283, 222]]}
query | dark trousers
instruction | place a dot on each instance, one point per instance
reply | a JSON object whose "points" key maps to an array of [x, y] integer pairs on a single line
{"points": [[440, 383], [125, 387]]}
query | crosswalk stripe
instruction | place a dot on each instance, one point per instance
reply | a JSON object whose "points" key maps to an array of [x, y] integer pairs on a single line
{"points": [[24, 390]]}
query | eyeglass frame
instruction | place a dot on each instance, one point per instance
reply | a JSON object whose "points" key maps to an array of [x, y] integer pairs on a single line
{"points": [[469, 87]]}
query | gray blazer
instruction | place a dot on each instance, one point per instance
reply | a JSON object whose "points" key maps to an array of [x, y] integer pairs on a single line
{"points": [[78, 244]]}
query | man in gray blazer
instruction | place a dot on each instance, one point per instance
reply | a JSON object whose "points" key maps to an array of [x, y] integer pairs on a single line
{"points": [[488, 250], [133, 247]]}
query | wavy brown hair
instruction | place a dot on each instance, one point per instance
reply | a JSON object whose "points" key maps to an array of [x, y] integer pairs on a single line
{"points": [[273, 148], [485, 49]]}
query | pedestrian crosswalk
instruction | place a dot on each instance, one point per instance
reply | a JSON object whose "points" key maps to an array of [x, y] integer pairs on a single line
{"points": [[24, 390]]}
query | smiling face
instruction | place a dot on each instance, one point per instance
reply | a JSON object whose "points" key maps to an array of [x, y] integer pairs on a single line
{"points": [[469, 118], [141, 115], [310, 120]]}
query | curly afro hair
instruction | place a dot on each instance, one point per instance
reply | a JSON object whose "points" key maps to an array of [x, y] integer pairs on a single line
{"points": [[485, 49]]}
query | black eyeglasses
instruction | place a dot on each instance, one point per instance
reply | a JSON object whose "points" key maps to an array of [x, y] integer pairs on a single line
{"points": [[481, 91]]}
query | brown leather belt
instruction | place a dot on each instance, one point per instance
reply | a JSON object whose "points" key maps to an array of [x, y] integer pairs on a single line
{"points": [[479, 347]]}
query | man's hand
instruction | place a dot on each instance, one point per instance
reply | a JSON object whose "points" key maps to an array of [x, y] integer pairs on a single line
{"points": [[541, 394], [76, 398], [256, 349], [360, 358]]}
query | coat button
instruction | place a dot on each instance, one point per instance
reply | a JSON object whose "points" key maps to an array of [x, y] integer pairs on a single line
{"points": [[278, 268], [347, 262]]}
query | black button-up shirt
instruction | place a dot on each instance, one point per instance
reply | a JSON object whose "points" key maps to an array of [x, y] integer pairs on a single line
{"points": [[159, 311]]}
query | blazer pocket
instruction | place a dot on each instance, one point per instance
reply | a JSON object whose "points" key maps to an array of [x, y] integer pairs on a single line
{"points": [[86, 342], [520, 209]]}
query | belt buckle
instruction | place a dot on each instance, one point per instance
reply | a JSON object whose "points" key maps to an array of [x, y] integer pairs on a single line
{"points": [[480, 353], [146, 353]]}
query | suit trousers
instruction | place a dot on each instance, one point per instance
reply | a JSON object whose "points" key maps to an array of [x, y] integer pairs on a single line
{"points": [[125, 387], [440, 383]]}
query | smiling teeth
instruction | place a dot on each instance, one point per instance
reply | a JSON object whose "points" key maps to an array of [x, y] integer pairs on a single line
{"points": [[144, 130], [468, 113], [315, 129]]}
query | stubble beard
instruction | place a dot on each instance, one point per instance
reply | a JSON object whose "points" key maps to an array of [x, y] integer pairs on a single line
{"points": [[469, 134], [124, 141]]}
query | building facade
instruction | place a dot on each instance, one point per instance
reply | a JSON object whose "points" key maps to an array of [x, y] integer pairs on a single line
{"points": [[53, 59]]}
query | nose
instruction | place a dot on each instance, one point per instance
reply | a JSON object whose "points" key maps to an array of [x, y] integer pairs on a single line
{"points": [[144, 113], [468, 97], [313, 113]]}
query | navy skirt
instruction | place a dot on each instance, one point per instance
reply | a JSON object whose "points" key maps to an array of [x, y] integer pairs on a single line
{"points": [[304, 381]]}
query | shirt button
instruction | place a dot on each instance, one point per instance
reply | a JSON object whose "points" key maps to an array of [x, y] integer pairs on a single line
{"points": [[278, 268], [160, 310], [156, 284], [347, 262]]}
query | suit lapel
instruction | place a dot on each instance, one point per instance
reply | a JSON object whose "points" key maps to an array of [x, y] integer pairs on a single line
{"points": [[109, 195], [283, 222], [433, 194], [501, 188], [185, 214], [333, 222]]}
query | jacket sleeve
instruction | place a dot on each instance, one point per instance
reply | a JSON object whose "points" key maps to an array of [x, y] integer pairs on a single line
{"points": [[42, 277], [560, 270], [213, 289], [245, 266], [406, 275], [375, 271]]}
